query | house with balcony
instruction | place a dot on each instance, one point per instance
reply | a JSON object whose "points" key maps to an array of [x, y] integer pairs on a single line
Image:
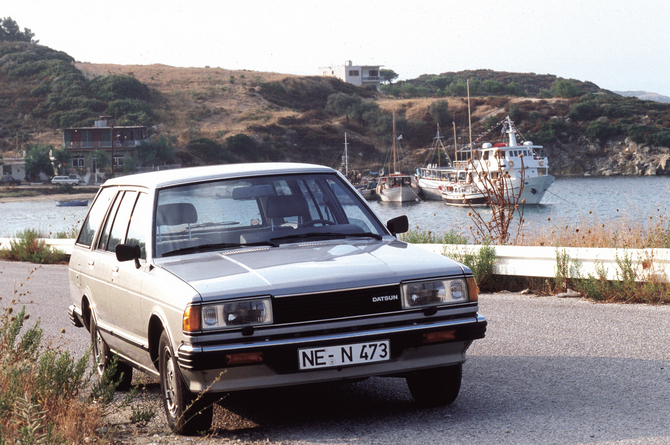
{"points": [[360, 75], [117, 141]]}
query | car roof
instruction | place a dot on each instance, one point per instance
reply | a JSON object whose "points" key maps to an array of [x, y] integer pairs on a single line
{"points": [[166, 178]]}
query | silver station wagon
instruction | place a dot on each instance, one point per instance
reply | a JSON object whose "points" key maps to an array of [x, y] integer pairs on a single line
{"points": [[236, 277]]}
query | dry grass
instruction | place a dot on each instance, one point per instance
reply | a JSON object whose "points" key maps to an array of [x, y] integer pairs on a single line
{"points": [[201, 102], [42, 390], [591, 231]]}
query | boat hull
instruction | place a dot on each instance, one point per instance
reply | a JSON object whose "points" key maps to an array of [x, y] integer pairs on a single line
{"points": [[398, 194], [71, 203], [533, 189], [465, 199], [431, 188]]}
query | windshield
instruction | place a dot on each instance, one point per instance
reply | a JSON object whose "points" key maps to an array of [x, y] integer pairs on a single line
{"points": [[259, 211]]}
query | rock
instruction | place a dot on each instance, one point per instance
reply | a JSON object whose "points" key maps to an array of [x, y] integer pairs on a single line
{"points": [[570, 293]]}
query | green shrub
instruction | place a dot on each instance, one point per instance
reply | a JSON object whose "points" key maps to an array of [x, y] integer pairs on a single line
{"points": [[30, 248], [565, 88], [482, 262], [417, 236]]}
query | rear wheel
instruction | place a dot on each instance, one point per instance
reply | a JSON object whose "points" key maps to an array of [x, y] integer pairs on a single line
{"points": [[186, 414], [435, 386], [102, 357]]}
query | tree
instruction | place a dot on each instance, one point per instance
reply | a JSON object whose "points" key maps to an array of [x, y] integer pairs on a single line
{"points": [[10, 32], [38, 161], [388, 75], [439, 110], [101, 159], [564, 88], [62, 159], [156, 151]]}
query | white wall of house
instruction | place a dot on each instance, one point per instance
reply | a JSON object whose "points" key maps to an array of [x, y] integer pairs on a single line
{"points": [[358, 75]]}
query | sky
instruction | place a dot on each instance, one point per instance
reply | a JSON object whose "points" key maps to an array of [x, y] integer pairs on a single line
{"points": [[619, 45]]}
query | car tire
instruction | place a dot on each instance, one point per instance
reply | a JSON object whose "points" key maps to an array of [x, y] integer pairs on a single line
{"points": [[435, 386], [102, 357], [186, 413]]}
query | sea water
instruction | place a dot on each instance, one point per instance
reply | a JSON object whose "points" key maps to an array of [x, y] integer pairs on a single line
{"points": [[568, 200]]}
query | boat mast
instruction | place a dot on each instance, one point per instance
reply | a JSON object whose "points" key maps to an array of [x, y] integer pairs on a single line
{"points": [[346, 157], [438, 144], [394, 139], [455, 144], [469, 115], [510, 131]]}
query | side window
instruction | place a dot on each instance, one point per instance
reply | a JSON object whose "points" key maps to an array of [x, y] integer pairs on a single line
{"points": [[95, 217], [121, 221], [104, 237], [139, 223]]}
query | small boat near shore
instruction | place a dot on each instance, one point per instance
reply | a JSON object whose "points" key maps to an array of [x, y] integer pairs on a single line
{"points": [[434, 177], [464, 195], [396, 186], [72, 203]]}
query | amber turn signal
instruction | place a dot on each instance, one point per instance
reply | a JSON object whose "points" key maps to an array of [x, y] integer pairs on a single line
{"points": [[473, 289], [191, 321]]}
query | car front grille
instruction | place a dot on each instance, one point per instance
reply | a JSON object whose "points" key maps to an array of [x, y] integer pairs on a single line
{"points": [[333, 305]]}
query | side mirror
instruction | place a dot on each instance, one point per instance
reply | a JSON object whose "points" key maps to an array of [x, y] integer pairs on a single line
{"points": [[127, 252], [399, 224]]}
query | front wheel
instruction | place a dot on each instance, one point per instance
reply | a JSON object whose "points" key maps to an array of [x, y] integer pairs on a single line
{"points": [[102, 358], [186, 414], [435, 386]]}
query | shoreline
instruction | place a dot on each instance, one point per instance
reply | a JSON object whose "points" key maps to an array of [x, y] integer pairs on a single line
{"points": [[48, 197]]}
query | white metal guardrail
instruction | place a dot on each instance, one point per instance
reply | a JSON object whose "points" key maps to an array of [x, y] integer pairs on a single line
{"points": [[534, 261]]}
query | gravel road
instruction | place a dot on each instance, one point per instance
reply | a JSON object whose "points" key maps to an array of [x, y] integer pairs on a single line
{"points": [[550, 370]]}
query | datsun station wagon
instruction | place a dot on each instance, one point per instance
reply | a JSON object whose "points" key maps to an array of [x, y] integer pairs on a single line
{"points": [[236, 277]]}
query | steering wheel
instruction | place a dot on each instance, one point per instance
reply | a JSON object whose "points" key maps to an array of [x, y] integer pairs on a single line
{"points": [[323, 222]]}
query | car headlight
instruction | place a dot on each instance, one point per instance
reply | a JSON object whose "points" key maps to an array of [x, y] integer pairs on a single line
{"points": [[437, 292], [238, 313]]}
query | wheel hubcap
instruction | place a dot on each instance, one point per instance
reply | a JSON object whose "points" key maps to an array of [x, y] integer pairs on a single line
{"points": [[97, 353], [170, 385]]}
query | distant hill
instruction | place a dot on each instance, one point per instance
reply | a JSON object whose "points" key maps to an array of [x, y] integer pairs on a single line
{"points": [[215, 115], [644, 95]]}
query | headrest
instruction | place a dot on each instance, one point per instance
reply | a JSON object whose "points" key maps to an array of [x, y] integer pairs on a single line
{"points": [[175, 214], [286, 205]]}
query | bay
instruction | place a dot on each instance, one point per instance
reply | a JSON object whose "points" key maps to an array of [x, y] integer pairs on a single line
{"points": [[568, 200]]}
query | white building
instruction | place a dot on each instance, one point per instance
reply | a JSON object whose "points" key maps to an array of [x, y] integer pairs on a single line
{"points": [[360, 75]]}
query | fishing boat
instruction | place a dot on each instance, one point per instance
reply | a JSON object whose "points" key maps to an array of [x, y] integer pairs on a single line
{"points": [[397, 187], [367, 189], [524, 173], [433, 178], [464, 195], [72, 203]]}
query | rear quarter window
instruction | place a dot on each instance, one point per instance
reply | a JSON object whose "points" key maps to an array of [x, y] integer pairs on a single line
{"points": [[95, 216]]}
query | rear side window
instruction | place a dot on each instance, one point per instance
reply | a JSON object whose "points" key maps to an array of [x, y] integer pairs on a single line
{"points": [[139, 222], [95, 217], [121, 221]]}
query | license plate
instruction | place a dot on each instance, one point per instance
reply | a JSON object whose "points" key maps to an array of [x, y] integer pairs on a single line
{"points": [[344, 355]]}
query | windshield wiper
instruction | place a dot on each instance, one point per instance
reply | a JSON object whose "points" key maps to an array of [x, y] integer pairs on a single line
{"points": [[215, 246], [331, 235]]}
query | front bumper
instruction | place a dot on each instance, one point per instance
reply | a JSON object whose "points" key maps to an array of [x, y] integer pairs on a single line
{"points": [[204, 367]]}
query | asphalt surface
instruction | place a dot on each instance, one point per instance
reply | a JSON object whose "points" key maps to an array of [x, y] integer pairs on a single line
{"points": [[550, 370]]}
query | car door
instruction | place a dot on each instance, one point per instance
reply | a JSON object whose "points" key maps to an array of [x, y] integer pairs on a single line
{"points": [[125, 279], [130, 224], [98, 273]]}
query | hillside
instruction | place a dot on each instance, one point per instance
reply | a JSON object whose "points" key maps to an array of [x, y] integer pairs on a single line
{"points": [[215, 115], [645, 95]]}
